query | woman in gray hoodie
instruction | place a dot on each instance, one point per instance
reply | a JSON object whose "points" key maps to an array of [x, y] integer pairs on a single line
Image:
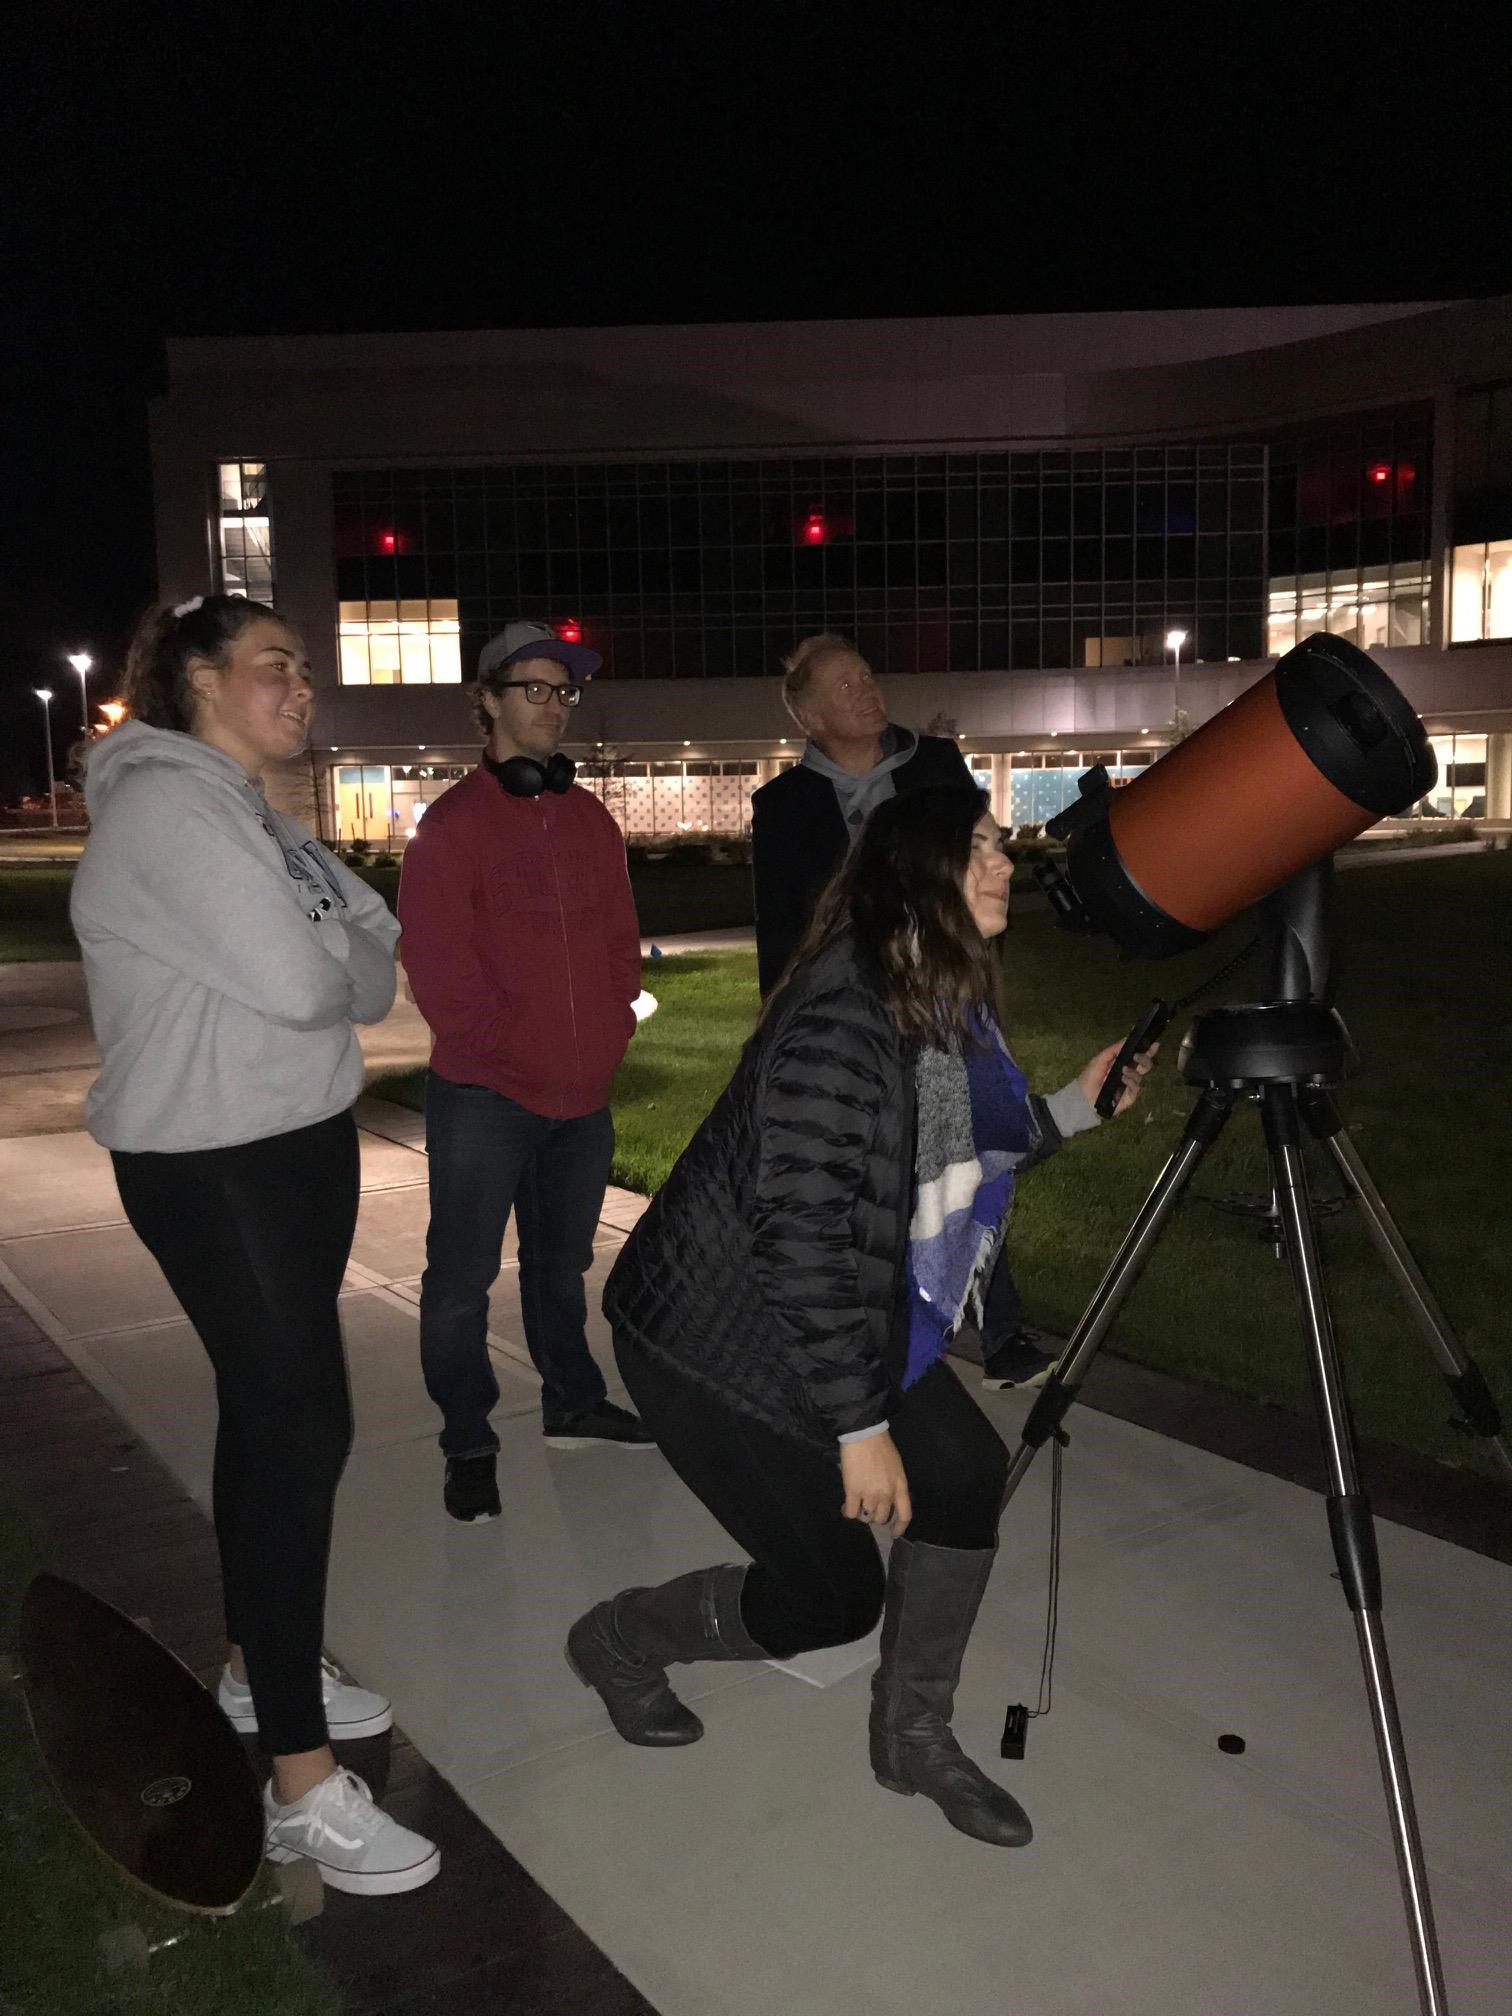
{"points": [[228, 957]]}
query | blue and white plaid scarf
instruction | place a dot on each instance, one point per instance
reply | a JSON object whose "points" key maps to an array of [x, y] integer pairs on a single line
{"points": [[975, 1128]]}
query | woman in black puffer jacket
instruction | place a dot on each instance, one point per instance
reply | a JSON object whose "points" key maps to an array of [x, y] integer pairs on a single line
{"points": [[781, 1311]]}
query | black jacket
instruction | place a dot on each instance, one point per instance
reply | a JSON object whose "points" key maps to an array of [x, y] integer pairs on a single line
{"points": [[769, 1265], [799, 838]]}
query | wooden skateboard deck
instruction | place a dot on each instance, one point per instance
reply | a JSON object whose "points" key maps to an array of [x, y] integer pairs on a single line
{"points": [[138, 1750]]}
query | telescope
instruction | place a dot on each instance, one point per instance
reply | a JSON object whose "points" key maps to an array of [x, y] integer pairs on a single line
{"points": [[1247, 811], [1309, 757]]}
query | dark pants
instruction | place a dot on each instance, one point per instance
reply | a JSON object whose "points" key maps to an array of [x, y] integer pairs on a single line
{"points": [[254, 1241], [1003, 1308], [489, 1156], [816, 1577]]}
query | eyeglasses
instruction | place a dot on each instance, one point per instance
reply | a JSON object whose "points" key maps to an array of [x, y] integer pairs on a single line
{"points": [[539, 691]]}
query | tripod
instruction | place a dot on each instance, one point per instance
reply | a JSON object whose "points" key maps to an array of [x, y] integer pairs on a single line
{"points": [[1284, 1056]]}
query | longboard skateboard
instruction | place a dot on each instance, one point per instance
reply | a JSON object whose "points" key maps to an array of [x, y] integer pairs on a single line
{"points": [[141, 1755]]}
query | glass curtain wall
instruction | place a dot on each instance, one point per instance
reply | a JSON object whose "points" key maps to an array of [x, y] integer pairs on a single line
{"points": [[932, 563]]}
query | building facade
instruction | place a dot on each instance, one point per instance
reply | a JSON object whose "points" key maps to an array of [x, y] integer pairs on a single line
{"points": [[1061, 538]]}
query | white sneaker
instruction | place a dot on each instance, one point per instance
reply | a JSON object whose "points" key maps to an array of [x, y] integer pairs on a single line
{"points": [[354, 1845], [349, 1711]]}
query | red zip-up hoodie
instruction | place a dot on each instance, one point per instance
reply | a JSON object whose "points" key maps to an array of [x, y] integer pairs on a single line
{"points": [[521, 943]]}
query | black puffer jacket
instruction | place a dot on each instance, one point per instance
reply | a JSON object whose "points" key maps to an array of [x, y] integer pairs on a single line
{"points": [[768, 1265]]}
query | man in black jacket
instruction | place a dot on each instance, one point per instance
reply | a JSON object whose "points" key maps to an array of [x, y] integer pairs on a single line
{"points": [[801, 824], [854, 758]]}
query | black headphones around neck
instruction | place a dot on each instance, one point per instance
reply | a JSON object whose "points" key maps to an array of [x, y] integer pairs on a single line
{"points": [[523, 777]]}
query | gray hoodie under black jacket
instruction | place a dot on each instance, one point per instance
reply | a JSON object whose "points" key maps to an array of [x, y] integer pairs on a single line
{"points": [[227, 953]]}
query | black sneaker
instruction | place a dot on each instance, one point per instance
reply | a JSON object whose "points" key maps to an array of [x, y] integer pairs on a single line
{"points": [[604, 1423], [472, 1487], [1018, 1361]]}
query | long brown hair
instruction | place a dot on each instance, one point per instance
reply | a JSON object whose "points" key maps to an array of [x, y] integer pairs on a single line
{"points": [[900, 893]]}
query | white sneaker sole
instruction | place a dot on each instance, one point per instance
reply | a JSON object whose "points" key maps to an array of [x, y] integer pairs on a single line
{"points": [[244, 1722], [365, 1882]]}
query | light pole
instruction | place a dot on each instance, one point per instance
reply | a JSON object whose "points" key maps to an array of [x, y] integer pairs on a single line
{"points": [[81, 662], [1174, 641], [44, 694]]}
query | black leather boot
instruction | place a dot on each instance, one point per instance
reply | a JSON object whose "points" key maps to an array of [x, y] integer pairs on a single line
{"points": [[623, 1647], [933, 1594]]}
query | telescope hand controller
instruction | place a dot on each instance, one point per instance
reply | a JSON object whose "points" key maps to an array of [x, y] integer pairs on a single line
{"points": [[1150, 1026]]}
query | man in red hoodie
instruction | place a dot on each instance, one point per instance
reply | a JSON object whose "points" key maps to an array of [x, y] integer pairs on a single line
{"points": [[522, 949]]}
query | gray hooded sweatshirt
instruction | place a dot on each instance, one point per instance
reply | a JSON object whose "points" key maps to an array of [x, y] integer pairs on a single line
{"points": [[861, 794], [227, 954]]}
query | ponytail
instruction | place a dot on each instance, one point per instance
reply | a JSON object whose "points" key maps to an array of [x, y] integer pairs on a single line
{"points": [[168, 640]]}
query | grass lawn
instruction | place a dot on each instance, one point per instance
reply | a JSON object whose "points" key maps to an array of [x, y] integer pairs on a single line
{"points": [[34, 913], [1424, 971], [670, 896], [60, 1894], [1424, 964]]}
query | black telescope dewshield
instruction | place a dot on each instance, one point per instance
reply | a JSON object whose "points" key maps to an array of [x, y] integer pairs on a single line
{"points": [[1318, 750]]}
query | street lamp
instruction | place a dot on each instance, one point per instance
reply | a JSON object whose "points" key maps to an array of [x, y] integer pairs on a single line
{"points": [[1174, 641], [44, 694], [81, 662]]}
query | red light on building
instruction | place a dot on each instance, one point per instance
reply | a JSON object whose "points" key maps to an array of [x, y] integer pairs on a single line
{"points": [[815, 530], [388, 542], [570, 631], [1379, 472]]}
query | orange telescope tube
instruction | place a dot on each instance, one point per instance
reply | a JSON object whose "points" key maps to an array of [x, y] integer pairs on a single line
{"points": [[1313, 754]]}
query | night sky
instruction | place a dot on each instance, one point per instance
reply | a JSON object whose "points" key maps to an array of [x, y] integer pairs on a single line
{"points": [[253, 169]]}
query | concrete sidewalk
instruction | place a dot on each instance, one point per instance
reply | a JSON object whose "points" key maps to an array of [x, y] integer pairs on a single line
{"points": [[763, 1866]]}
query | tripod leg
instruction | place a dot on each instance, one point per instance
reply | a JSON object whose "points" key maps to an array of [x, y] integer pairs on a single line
{"points": [[1479, 1414], [1353, 1531], [1061, 1388]]}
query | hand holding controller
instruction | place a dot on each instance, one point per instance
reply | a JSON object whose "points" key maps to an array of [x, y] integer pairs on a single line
{"points": [[1147, 1030]]}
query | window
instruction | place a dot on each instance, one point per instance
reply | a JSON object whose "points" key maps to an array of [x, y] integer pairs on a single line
{"points": [[1347, 524], [401, 643], [1480, 592], [1377, 609], [1460, 792], [244, 532], [1042, 785], [659, 800], [707, 569]]}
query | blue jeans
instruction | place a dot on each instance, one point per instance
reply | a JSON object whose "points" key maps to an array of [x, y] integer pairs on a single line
{"points": [[489, 1156]]}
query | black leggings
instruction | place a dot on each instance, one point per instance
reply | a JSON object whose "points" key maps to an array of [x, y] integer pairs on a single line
{"points": [[254, 1241], [817, 1577]]}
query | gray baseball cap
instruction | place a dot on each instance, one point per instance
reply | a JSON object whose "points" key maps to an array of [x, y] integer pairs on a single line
{"points": [[517, 641]]}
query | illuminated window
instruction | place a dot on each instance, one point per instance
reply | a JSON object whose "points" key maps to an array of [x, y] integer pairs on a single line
{"points": [[1480, 592], [1460, 792], [1378, 609], [244, 531], [407, 643]]}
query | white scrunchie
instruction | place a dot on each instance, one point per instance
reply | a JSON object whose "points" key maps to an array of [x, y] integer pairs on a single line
{"points": [[183, 609]]}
